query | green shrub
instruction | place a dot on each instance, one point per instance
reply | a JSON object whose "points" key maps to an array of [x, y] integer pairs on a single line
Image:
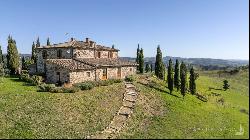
{"points": [[33, 80], [64, 90], [130, 78], [46, 87], [85, 85]]}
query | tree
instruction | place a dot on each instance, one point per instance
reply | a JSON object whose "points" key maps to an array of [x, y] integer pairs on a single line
{"points": [[151, 67], [192, 84], [23, 63], [1, 55], [48, 42], [225, 85], [141, 61], [137, 56], [183, 76], [177, 75], [147, 69], [12, 56], [159, 66], [38, 42], [170, 76], [33, 53]]}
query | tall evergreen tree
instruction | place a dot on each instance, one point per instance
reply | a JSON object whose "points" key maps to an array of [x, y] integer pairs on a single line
{"points": [[177, 75], [1, 55], [192, 84], [147, 69], [141, 61], [33, 53], [159, 66], [225, 85], [23, 63], [170, 76], [183, 75], [137, 56], [38, 42], [12, 56], [151, 67], [48, 42]]}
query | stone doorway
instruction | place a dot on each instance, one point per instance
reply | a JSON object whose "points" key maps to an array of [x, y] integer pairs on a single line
{"points": [[119, 73], [104, 74]]}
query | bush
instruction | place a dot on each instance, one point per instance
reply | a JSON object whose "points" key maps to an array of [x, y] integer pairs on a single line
{"points": [[85, 85], [129, 78], [46, 87], [33, 80]]}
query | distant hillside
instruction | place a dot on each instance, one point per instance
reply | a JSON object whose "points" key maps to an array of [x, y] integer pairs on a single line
{"points": [[202, 62]]}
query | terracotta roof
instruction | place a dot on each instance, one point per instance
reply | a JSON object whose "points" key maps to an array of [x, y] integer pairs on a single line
{"points": [[80, 44], [69, 64], [99, 62]]}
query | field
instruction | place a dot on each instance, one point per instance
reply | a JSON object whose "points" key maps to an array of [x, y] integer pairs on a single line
{"points": [[161, 115], [25, 113]]}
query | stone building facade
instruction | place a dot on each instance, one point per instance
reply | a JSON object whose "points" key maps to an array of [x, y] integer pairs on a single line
{"points": [[78, 61]]}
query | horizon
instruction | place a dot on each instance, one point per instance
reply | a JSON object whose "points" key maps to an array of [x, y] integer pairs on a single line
{"points": [[188, 29]]}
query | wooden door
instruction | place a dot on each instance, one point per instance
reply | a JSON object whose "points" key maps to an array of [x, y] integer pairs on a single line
{"points": [[104, 74]]}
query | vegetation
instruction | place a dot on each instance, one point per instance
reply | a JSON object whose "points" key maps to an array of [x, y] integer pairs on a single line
{"points": [[141, 61], [28, 114], [192, 84], [151, 67], [1, 55], [177, 75], [170, 76], [159, 66], [12, 56], [147, 69], [33, 53], [225, 85], [159, 115], [183, 75], [48, 42], [130, 78], [137, 56]]}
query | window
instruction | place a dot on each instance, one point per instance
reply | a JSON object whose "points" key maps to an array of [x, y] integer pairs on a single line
{"points": [[57, 73], [131, 69], [44, 54], [88, 74], [104, 74], [59, 53], [110, 54], [99, 55]]}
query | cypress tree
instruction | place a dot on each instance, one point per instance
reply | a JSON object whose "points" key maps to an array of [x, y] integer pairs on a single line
{"points": [[38, 42], [33, 53], [1, 55], [23, 63], [183, 75], [141, 61], [147, 69], [225, 85], [192, 84], [137, 56], [151, 67], [159, 66], [177, 75], [170, 76], [12, 56], [48, 42]]}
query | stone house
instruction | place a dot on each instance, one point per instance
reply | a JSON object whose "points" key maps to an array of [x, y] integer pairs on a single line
{"points": [[78, 61]]}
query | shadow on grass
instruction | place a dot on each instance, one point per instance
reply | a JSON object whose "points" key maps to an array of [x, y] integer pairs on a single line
{"points": [[212, 88], [156, 88], [17, 79]]}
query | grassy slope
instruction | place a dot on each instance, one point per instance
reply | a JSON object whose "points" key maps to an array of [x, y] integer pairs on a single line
{"points": [[160, 115], [25, 113]]}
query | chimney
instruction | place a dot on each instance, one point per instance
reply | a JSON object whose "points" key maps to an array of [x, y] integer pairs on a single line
{"points": [[71, 39], [87, 40]]}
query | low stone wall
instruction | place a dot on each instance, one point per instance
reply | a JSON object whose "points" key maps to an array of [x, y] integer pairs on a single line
{"points": [[81, 76]]}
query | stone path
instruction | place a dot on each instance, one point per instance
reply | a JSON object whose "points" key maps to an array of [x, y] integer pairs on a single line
{"points": [[119, 120]]}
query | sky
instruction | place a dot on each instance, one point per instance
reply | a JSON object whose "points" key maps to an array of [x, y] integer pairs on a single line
{"points": [[182, 28]]}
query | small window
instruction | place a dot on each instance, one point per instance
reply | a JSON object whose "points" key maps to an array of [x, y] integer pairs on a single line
{"points": [[99, 55], [57, 73], [44, 54], [59, 53], [88, 74], [131, 69]]}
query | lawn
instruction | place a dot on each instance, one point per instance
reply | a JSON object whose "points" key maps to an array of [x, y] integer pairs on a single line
{"points": [[161, 115], [26, 113]]}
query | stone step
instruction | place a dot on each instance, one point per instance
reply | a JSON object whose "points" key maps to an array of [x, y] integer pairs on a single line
{"points": [[130, 98], [128, 104], [132, 93], [125, 111]]}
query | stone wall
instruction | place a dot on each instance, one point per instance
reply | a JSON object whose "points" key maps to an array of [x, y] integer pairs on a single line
{"points": [[83, 53], [66, 53], [52, 74], [128, 71], [81, 76]]}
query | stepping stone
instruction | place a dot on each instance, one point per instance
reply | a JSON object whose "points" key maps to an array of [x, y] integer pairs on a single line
{"points": [[128, 104], [132, 93], [130, 98], [129, 86], [118, 122], [125, 111]]}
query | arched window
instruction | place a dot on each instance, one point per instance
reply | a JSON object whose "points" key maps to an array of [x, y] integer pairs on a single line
{"points": [[44, 54], [59, 53], [99, 55]]}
